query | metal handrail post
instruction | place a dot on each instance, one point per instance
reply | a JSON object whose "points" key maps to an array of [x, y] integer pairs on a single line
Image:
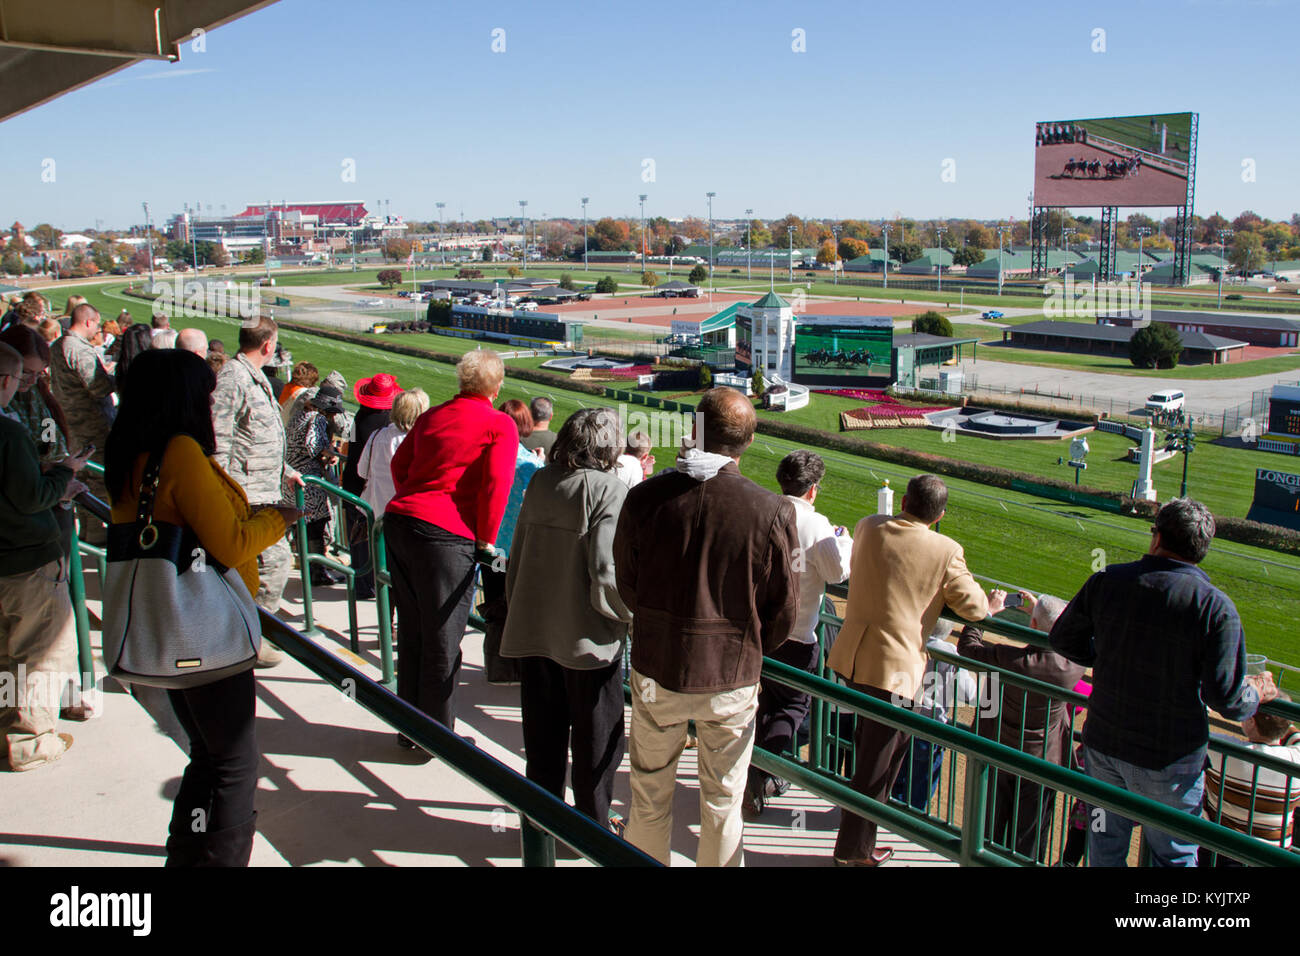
{"points": [[536, 846], [77, 591], [304, 561], [383, 606], [974, 811]]}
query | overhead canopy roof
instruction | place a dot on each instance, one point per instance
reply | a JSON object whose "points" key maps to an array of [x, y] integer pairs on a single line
{"points": [[51, 47]]}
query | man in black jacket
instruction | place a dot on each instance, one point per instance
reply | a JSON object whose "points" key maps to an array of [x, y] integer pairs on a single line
{"points": [[704, 559]]}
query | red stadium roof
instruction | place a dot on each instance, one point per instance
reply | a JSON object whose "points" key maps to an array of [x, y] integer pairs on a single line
{"points": [[350, 212]]}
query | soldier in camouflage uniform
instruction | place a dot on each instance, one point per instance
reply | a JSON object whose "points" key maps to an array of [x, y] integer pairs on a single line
{"points": [[84, 389], [251, 448]]}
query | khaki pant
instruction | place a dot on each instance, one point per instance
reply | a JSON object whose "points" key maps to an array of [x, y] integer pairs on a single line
{"points": [[38, 655], [273, 568], [724, 728]]}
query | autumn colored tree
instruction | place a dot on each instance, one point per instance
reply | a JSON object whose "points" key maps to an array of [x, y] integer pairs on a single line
{"points": [[389, 278], [612, 235], [395, 250], [826, 253], [851, 248]]}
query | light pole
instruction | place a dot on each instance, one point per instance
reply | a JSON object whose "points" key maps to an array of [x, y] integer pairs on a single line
{"points": [[194, 245], [148, 242], [749, 244], [1001, 230], [585, 200], [1142, 233], [523, 229], [1224, 236], [789, 234], [835, 263], [938, 238], [884, 229], [441, 248], [642, 198], [710, 196]]}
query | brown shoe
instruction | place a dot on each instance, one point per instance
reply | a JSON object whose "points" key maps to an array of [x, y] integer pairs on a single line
{"points": [[877, 858]]}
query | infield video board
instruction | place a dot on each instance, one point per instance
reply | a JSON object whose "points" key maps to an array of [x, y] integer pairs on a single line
{"points": [[842, 350], [1113, 161]]}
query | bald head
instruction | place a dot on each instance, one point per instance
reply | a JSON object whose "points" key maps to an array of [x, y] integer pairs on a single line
{"points": [[85, 317], [728, 422], [193, 340]]}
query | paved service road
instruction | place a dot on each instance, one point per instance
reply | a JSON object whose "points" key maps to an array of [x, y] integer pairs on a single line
{"points": [[1203, 395]]}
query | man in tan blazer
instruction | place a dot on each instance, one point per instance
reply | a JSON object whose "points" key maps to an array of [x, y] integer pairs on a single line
{"points": [[902, 575]]}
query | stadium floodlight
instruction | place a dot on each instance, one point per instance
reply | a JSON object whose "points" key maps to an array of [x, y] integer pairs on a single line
{"points": [[585, 200], [148, 242], [884, 229], [1001, 230], [523, 230], [710, 196], [749, 244], [643, 236], [938, 239], [1224, 236], [441, 249], [1142, 233]]}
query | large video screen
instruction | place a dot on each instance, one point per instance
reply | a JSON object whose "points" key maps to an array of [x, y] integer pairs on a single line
{"points": [[1114, 161], [828, 349]]}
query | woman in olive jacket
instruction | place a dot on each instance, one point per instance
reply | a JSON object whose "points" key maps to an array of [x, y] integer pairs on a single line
{"points": [[565, 619]]}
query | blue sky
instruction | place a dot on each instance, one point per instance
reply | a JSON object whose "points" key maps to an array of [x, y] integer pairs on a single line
{"points": [[857, 125]]}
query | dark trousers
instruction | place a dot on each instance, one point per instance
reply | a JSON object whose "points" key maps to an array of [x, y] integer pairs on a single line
{"points": [[781, 709], [433, 588], [1015, 814], [496, 669], [918, 777], [359, 550], [566, 710], [878, 751], [214, 807]]}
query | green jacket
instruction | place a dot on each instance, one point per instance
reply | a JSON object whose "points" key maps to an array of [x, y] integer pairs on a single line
{"points": [[563, 600], [29, 534]]}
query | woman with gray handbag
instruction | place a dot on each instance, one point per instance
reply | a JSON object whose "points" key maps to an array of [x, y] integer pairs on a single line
{"points": [[178, 611]]}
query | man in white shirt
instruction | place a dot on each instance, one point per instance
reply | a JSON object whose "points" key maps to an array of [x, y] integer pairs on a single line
{"points": [[823, 558], [636, 461]]}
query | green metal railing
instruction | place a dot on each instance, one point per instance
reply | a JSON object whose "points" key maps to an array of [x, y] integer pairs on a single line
{"points": [[829, 764], [830, 756], [378, 565], [544, 818]]}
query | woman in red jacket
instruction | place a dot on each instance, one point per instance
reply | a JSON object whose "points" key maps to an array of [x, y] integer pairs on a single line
{"points": [[452, 476]]}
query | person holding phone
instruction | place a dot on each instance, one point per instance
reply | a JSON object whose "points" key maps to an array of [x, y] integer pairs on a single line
{"points": [[37, 630]]}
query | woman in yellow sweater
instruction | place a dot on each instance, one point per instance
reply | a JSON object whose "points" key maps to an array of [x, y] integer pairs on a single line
{"points": [[166, 404]]}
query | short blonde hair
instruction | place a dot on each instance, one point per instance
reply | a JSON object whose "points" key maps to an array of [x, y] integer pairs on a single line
{"points": [[50, 329], [480, 372], [407, 407], [73, 302]]}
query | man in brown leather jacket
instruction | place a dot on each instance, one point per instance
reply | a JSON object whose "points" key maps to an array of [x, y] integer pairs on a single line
{"points": [[703, 558]]}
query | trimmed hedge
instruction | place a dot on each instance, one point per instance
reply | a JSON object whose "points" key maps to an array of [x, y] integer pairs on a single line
{"points": [[1229, 529], [1239, 530]]}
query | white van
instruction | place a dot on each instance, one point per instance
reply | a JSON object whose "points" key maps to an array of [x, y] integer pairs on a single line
{"points": [[1165, 401]]}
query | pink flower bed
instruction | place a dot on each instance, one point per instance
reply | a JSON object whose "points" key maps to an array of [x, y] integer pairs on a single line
{"points": [[884, 404]]}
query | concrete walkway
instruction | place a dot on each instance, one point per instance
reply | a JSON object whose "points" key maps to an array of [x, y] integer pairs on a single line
{"points": [[334, 788]]}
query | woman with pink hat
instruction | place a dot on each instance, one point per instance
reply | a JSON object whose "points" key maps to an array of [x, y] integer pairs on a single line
{"points": [[375, 396]]}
